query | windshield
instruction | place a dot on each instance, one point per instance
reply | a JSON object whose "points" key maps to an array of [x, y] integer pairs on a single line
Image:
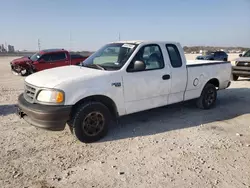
{"points": [[35, 57], [111, 56], [247, 54]]}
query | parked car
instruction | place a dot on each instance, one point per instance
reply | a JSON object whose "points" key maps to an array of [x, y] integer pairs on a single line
{"points": [[217, 55], [136, 76], [45, 59], [242, 66]]}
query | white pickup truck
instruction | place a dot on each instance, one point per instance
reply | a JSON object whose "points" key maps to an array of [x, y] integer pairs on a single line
{"points": [[120, 78]]}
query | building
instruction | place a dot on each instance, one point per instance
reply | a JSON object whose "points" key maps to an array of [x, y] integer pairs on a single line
{"points": [[11, 48], [2, 49]]}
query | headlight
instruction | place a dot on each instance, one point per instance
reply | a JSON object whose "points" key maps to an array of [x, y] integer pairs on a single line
{"points": [[50, 96]]}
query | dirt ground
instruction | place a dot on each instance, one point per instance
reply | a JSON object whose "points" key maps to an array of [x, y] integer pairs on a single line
{"points": [[173, 146]]}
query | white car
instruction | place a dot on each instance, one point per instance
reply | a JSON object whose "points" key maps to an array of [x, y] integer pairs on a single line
{"points": [[120, 78]]}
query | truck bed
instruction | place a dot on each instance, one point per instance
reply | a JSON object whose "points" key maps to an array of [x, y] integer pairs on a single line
{"points": [[198, 75], [194, 63]]}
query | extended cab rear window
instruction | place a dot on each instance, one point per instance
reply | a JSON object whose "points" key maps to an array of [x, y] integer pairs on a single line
{"points": [[174, 55], [58, 56]]}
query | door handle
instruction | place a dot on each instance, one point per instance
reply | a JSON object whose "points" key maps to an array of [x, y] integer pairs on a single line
{"points": [[166, 77]]}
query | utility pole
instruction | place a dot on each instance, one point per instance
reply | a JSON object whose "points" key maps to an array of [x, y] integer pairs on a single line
{"points": [[119, 36], [39, 44], [70, 40]]}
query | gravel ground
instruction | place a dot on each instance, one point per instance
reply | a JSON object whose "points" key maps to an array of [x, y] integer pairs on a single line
{"points": [[174, 146]]}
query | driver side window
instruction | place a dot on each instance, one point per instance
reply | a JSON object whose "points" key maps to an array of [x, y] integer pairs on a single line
{"points": [[46, 57], [217, 54], [151, 56]]}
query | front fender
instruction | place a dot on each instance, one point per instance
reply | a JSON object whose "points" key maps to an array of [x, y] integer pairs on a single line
{"points": [[72, 97], [116, 94]]}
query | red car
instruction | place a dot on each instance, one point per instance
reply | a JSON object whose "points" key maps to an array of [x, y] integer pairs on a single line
{"points": [[45, 59]]}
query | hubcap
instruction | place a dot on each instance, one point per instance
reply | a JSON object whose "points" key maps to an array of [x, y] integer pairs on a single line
{"points": [[93, 123], [210, 97]]}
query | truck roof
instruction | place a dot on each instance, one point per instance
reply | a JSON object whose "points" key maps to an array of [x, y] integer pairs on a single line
{"points": [[145, 41], [52, 50]]}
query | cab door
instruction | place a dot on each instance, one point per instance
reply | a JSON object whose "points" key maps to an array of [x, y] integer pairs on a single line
{"points": [[179, 73], [43, 63], [218, 56], [59, 59], [148, 88]]}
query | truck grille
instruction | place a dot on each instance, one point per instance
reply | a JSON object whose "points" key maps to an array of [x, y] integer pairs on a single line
{"points": [[243, 64], [29, 93]]}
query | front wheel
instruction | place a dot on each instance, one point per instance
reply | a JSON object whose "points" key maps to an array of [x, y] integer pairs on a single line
{"points": [[235, 78], [24, 72], [208, 97], [90, 122]]}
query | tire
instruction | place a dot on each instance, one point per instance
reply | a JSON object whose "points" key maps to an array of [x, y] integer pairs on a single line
{"points": [[208, 97], [26, 73], [235, 78], [225, 59], [89, 116]]}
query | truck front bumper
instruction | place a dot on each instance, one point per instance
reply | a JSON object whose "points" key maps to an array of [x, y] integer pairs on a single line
{"points": [[43, 116], [17, 70]]}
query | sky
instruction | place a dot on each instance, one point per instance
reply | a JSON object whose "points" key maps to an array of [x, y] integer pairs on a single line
{"points": [[89, 24]]}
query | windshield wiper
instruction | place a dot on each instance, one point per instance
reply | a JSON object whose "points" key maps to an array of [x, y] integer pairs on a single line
{"points": [[94, 66]]}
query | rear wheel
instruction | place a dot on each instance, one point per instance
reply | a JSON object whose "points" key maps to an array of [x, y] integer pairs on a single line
{"points": [[90, 122], [235, 78], [208, 97]]}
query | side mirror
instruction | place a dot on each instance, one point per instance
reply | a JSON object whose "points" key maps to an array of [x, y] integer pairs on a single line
{"points": [[138, 66], [240, 55]]}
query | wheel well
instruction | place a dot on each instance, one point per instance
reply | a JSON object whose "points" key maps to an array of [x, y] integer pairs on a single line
{"points": [[215, 82], [108, 102]]}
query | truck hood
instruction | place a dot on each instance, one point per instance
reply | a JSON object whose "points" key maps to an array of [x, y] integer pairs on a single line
{"points": [[21, 60], [50, 78], [246, 59]]}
